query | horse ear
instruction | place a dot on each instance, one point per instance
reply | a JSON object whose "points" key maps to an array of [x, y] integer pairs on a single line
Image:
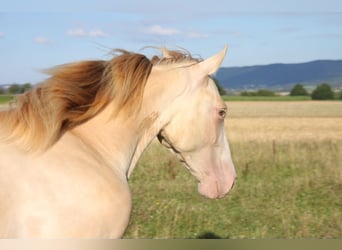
{"points": [[212, 64]]}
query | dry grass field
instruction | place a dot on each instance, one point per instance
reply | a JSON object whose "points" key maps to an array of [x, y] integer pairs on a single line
{"points": [[288, 158], [284, 121]]}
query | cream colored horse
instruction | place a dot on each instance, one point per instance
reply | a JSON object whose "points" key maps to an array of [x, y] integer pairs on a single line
{"points": [[68, 147]]}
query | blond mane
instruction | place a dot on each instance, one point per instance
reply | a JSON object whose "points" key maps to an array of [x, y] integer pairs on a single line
{"points": [[77, 92]]}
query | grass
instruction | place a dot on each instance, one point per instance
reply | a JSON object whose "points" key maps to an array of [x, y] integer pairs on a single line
{"points": [[312, 109], [287, 156], [5, 98]]}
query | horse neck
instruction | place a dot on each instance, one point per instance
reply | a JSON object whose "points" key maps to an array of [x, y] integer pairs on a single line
{"points": [[157, 107], [118, 140], [121, 140]]}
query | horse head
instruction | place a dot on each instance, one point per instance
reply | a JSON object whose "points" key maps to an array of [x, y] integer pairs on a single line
{"points": [[195, 131]]}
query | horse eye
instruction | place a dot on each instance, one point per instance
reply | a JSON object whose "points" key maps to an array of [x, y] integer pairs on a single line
{"points": [[222, 113]]}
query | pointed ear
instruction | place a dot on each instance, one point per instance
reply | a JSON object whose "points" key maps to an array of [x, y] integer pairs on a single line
{"points": [[212, 64]]}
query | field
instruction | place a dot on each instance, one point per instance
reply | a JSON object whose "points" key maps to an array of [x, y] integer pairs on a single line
{"points": [[266, 98], [288, 158]]}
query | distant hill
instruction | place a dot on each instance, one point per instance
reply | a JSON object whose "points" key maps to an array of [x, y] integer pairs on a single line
{"points": [[281, 76]]}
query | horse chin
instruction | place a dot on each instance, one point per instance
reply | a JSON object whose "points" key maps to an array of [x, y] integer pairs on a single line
{"points": [[212, 189], [209, 190]]}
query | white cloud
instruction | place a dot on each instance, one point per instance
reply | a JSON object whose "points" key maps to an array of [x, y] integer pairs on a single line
{"points": [[42, 40], [97, 33], [2, 35], [76, 32], [160, 31], [79, 32]]}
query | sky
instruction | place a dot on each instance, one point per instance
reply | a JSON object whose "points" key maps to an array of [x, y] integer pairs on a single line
{"points": [[36, 34]]}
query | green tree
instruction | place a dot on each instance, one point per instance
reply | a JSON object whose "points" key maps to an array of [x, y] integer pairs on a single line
{"points": [[323, 92], [260, 92], [265, 92], [25, 87], [248, 93], [298, 90], [14, 89]]}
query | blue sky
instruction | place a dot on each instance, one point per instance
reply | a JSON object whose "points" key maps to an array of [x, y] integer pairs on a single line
{"points": [[35, 35]]}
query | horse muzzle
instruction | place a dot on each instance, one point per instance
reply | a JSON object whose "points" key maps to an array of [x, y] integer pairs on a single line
{"points": [[216, 188]]}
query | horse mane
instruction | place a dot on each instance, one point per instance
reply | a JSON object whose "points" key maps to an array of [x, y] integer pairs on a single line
{"points": [[77, 92], [178, 57]]}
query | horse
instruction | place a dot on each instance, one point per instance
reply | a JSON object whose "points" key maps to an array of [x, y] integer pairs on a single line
{"points": [[69, 145]]}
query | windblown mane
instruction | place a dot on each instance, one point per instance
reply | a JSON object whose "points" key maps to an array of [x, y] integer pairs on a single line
{"points": [[73, 94], [77, 92]]}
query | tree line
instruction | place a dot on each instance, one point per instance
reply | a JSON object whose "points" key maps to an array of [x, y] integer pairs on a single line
{"points": [[15, 89], [321, 92]]}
